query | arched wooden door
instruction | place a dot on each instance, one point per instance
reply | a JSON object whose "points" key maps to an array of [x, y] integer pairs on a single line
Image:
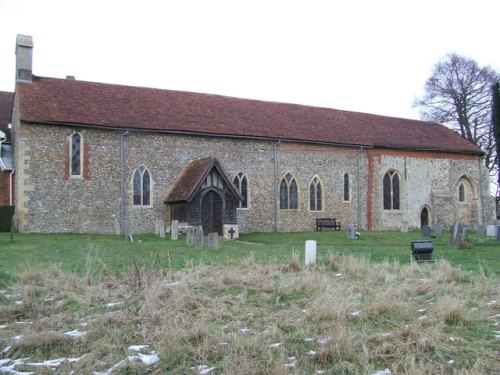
{"points": [[211, 213], [424, 217]]}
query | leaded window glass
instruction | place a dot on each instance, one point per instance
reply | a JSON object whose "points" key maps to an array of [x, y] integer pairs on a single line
{"points": [[315, 195], [391, 189], [289, 193], [240, 181], [461, 193], [142, 187], [347, 191], [76, 154]]}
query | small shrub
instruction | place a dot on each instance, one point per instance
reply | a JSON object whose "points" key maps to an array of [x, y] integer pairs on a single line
{"points": [[293, 264]]}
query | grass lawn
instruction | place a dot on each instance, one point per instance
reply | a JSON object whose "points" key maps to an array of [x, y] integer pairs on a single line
{"points": [[73, 251]]}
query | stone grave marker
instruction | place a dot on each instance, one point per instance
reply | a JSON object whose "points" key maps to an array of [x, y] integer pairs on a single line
{"points": [[116, 225], [174, 230], [455, 231], [161, 228], [498, 232], [426, 231], [157, 228], [198, 237], [404, 227], [213, 241], [491, 230], [190, 236], [351, 232], [481, 230], [310, 256], [438, 229]]}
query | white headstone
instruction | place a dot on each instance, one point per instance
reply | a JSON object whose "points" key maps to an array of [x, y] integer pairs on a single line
{"points": [[351, 232], [404, 227], [310, 252], [161, 228], [491, 230], [213, 241]]}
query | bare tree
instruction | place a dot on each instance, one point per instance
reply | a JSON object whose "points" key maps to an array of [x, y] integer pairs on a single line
{"points": [[458, 95]]}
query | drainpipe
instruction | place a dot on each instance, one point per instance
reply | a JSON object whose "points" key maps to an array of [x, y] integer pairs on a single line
{"points": [[122, 181], [11, 185], [359, 186], [276, 213], [481, 199]]}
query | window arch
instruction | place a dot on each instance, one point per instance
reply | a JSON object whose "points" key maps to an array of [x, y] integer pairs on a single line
{"points": [[241, 183], [316, 195], [289, 193], [347, 188], [391, 191], [76, 154], [142, 187], [461, 192]]}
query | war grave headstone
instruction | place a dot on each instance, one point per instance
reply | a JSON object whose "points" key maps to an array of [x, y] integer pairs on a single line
{"points": [[491, 230], [310, 255]]}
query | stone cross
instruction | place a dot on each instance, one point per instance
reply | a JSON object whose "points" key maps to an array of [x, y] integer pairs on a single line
{"points": [[174, 230], [231, 232]]}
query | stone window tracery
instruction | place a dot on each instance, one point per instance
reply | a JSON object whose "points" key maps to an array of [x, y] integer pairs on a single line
{"points": [[289, 193], [315, 195], [142, 187], [461, 193], [391, 187], [347, 188], [241, 183], [76, 155]]}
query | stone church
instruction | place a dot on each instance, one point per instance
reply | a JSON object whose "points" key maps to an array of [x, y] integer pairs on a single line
{"points": [[88, 155]]}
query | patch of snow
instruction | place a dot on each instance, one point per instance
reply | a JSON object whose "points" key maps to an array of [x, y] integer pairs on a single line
{"points": [[137, 348], [18, 337], [75, 333], [383, 372], [474, 309], [202, 369], [19, 303], [291, 364], [492, 303], [312, 353], [6, 350], [110, 371], [168, 285], [421, 311], [3, 326], [451, 362], [147, 359], [11, 363], [54, 362], [275, 345], [338, 275], [422, 318], [114, 304], [244, 330], [355, 314], [387, 334], [324, 341], [308, 339]]}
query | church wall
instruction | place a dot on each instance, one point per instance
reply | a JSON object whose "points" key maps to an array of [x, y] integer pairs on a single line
{"points": [[50, 203], [429, 179]]}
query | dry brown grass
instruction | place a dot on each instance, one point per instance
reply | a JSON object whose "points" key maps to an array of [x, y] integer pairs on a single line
{"points": [[346, 316]]}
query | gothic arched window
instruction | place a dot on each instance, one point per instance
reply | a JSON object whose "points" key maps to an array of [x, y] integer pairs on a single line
{"points": [[240, 181], [391, 191], [315, 195], [142, 187], [289, 193]]}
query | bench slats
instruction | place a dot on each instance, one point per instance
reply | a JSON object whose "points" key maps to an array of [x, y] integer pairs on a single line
{"points": [[327, 223]]}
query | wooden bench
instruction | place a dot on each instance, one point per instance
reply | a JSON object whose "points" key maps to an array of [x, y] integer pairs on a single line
{"points": [[327, 223]]}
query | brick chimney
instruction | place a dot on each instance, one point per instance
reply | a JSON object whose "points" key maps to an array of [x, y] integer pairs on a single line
{"points": [[24, 58]]}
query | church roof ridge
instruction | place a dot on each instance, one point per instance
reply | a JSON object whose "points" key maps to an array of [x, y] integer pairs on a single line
{"points": [[85, 103]]}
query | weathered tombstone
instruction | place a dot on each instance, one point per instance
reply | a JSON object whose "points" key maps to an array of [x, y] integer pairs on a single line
{"points": [[426, 231], [174, 230], [116, 225], [491, 230], [351, 232], [190, 236], [213, 241], [404, 227], [161, 228], [498, 232], [481, 230], [310, 256], [455, 234], [129, 237], [475, 225], [198, 237], [438, 229], [157, 228]]}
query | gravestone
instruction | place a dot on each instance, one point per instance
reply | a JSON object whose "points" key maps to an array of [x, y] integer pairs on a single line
{"points": [[129, 237], [157, 228], [190, 236], [426, 231], [351, 232], [438, 229], [455, 231], [491, 230], [213, 241], [161, 228], [498, 232], [481, 230], [310, 256], [475, 225], [116, 225], [174, 230], [404, 227], [198, 237]]}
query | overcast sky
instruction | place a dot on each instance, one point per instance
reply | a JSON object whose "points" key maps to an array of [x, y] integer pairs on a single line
{"points": [[361, 55]]}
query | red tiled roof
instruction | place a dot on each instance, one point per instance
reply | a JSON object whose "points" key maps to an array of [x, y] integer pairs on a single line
{"points": [[50, 100], [6, 102], [189, 181]]}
